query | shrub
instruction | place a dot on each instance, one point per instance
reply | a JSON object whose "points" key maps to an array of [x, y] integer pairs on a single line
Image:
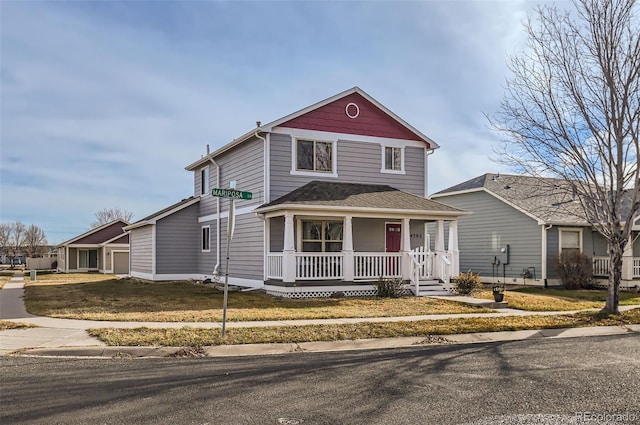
{"points": [[575, 270], [466, 283], [389, 288]]}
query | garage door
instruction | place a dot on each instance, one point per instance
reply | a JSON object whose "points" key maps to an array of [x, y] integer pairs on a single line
{"points": [[121, 262]]}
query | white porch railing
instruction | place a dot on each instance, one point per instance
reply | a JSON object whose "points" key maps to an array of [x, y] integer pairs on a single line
{"points": [[636, 268], [601, 266], [274, 265], [422, 263], [319, 265], [373, 265]]}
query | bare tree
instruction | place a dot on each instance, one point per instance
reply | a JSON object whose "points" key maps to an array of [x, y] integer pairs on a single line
{"points": [[34, 241], [5, 236], [572, 111], [107, 215], [16, 240]]}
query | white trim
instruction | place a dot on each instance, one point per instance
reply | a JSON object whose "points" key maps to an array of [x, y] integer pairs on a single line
{"points": [[301, 133], [208, 227], [311, 173], [579, 230], [356, 114], [362, 212], [383, 165], [153, 250], [239, 211]]}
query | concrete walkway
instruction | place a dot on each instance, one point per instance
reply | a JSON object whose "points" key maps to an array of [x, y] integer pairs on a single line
{"points": [[54, 336]]}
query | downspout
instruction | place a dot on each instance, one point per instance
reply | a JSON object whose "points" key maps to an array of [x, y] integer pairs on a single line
{"points": [[216, 271], [427, 152], [544, 252], [266, 194], [266, 163]]}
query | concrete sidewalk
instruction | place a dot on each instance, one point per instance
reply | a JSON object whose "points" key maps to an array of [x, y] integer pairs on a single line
{"points": [[69, 337]]}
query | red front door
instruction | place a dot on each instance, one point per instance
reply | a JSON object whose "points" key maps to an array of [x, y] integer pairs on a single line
{"points": [[392, 244], [394, 233]]}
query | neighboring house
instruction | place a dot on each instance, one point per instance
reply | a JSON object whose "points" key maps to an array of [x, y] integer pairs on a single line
{"points": [[537, 219], [339, 200], [104, 249]]}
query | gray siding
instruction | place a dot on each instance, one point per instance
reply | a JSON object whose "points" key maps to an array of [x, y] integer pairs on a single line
{"points": [[368, 234], [245, 165], [207, 260], [492, 225], [140, 249], [178, 242], [358, 162], [246, 249], [593, 244]]}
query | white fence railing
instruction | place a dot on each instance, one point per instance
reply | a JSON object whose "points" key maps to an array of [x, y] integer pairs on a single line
{"points": [[422, 263], [601, 266], [319, 265], [373, 265], [274, 265]]}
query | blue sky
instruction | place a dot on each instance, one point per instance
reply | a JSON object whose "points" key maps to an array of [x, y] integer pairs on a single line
{"points": [[103, 104]]}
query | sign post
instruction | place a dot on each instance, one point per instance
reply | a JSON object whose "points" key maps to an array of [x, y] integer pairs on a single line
{"points": [[231, 225]]}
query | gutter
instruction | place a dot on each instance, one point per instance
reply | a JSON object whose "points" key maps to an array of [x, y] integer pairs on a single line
{"points": [[217, 267]]}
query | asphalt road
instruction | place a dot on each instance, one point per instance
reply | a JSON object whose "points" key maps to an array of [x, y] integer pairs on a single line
{"points": [[524, 382]]}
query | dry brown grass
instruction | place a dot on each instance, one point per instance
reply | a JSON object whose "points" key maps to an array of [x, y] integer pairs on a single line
{"points": [[188, 336], [540, 299], [6, 324], [133, 300]]}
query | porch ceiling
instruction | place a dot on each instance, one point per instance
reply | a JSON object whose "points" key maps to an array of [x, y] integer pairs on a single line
{"points": [[359, 198]]}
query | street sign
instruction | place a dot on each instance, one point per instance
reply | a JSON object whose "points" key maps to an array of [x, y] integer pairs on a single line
{"points": [[231, 193]]}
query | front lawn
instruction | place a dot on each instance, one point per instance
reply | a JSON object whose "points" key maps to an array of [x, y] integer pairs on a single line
{"points": [[540, 299], [133, 300], [188, 336]]}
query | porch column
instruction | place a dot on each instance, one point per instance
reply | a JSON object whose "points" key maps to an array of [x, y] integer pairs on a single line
{"points": [[439, 250], [406, 248], [348, 268], [453, 247], [289, 251], [627, 261]]}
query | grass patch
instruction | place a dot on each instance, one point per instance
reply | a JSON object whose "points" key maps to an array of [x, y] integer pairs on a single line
{"points": [[134, 300], [186, 337], [540, 299], [6, 324]]}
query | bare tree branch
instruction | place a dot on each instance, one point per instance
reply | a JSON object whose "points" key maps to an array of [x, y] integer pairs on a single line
{"points": [[107, 215]]}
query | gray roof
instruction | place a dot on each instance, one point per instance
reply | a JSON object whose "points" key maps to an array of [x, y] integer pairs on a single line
{"points": [[357, 195], [548, 200]]}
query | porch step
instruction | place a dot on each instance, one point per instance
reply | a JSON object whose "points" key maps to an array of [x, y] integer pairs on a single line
{"points": [[429, 288]]}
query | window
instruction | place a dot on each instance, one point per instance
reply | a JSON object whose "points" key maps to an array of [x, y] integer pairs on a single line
{"points": [[204, 180], [313, 155], [321, 236], [570, 240], [205, 239], [392, 159]]}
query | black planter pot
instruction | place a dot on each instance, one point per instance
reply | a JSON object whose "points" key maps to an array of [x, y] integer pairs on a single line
{"points": [[498, 297]]}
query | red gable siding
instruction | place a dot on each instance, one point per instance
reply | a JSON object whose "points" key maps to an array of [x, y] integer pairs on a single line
{"points": [[372, 121], [103, 235]]}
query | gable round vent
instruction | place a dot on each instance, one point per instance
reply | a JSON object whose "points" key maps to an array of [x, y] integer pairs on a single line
{"points": [[352, 110]]}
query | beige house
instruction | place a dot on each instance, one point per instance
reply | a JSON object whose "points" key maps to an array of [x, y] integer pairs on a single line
{"points": [[104, 249]]}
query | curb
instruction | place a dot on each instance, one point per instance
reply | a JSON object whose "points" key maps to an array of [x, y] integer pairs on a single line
{"points": [[322, 346]]}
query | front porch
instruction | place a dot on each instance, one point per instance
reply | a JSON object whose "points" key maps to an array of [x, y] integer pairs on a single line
{"points": [[404, 251], [630, 269]]}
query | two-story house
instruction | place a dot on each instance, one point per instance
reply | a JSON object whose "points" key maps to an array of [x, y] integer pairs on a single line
{"points": [[339, 201]]}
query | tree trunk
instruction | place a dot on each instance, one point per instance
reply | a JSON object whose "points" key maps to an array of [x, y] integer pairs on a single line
{"points": [[615, 276]]}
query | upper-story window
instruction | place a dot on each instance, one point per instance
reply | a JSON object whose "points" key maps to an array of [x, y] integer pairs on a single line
{"points": [[204, 180], [392, 159], [314, 155]]}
